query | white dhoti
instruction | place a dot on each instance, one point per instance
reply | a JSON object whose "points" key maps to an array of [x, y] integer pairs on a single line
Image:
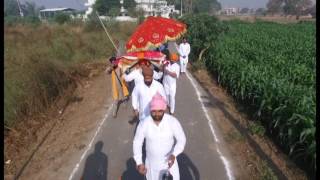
{"points": [[171, 95], [170, 85], [155, 170], [184, 50], [183, 63]]}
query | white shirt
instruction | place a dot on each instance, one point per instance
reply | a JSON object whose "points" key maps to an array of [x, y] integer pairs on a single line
{"points": [[169, 80], [159, 144], [137, 76], [142, 95], [184, 49]]}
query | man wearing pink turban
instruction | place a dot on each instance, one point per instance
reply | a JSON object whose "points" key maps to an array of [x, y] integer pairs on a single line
{"points": [[159, 130], [143, 93]]}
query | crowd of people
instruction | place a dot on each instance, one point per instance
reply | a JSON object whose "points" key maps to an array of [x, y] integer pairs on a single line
{"points": [[153, 103]]}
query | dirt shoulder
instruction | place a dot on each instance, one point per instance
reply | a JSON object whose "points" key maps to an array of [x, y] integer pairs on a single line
{"points": [[65, 132], [254, 155]]}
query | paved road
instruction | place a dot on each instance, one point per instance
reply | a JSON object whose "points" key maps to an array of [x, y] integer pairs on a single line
{"points": [[201, 159]]}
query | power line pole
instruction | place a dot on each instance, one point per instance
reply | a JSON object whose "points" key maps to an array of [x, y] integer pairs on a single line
{"points": [[181, 9], [21, 13]]}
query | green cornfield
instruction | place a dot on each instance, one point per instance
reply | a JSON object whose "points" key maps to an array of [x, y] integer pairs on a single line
{"points": [[271, 68]]}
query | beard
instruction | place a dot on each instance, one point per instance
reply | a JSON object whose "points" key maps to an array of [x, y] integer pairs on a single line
{"points": [[157, 117], [148, 83]]}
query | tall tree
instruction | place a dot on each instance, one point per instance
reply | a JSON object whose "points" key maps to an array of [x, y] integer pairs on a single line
{"points": [[289, 7], [261, 11], [11, 8], [30, 9], [103, 6], [129, 4], [206, 6], [296, 7], [274, 6]]}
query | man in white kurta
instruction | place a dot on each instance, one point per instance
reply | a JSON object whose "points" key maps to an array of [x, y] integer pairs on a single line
{"points": [[184, 51], [136, 76], [159, 131], [143, 93], [171, 74]]}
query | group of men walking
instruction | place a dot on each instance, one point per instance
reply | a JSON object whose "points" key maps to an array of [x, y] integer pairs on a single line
{"points": [[152, 96]]}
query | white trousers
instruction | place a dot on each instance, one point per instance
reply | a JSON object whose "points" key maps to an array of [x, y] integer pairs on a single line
{"points": [[156, 173], [183, 64], [170, 90]]}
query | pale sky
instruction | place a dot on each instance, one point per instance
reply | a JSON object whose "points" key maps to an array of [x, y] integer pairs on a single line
{"points": [[244, 3], [79, 4]]}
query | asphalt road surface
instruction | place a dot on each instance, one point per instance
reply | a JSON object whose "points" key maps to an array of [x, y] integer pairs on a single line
{"points": [[111, 152]]}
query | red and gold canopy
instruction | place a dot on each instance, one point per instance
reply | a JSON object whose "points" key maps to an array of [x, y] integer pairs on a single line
{"points": [[153, 32], [152, 57]]}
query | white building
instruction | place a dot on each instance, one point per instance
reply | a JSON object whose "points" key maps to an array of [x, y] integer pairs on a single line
{"points": [[156, 7], [150, 8], [50, 13], [230, 11]]}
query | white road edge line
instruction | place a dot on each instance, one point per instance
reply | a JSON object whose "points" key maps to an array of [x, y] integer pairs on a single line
{"points": [[90, 144], [224, 160]]}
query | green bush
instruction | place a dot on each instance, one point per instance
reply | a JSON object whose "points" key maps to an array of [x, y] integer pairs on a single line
{"points": [[28, 20], [203, 31], [62, 18], [11, 20]]}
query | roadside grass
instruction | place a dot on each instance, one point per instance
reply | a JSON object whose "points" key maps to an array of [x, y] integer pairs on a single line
{"points": [[256, 128], [39, 61], [235, 136], [266, 172]]}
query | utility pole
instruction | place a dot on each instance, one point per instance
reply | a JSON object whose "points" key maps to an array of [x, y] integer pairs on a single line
{"points": [[181, 9], [21, 13]]}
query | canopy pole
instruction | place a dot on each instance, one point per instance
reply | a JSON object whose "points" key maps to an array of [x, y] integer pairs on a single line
{"points": [[105, 29]]}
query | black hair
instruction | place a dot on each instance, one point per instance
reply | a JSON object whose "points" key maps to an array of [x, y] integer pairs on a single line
{"points": [[167, 53], [112, 59]]}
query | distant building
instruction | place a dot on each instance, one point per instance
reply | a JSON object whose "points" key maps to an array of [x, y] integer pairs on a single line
{"points": [[49, 13], [150, 8], [230, 11], [156, 8]]}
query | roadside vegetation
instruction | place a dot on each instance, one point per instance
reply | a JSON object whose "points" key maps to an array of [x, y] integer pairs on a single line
{"points": [[41, 59], [269, 68]]}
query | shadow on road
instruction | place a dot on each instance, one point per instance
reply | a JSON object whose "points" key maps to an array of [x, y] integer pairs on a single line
{"points": [[131, 173], [96, 166], [188, 171]]}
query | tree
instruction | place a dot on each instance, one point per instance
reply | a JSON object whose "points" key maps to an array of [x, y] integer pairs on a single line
{"points": [[312, 10], [114, 11], [103, 6], [274, 6], [205, 6], [30, 9], [244, 10], [289, 7], [260, 11], [296, 7], [11, 8], [129, 4]]}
